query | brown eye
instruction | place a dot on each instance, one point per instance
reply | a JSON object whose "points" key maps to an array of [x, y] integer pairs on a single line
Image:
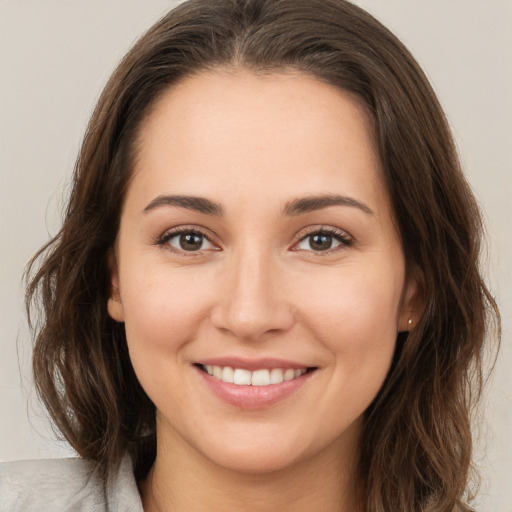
{"points": [[186, 241], [191, 242], [322, 241]]}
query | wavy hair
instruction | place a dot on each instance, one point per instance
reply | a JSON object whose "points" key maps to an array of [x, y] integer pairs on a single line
{"points": [[415, 452]]}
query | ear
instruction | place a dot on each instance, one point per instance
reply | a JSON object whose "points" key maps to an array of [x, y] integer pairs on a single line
{"points": [[412, 301], [114, 304]]}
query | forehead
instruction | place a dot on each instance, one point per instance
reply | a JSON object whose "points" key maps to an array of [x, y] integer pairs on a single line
{"points": [[283, 133]]}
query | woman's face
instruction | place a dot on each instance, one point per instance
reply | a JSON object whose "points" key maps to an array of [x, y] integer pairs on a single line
{"points": [[257, 243]]}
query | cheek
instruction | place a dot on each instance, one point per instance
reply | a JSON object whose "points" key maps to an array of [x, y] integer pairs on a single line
{"points": [[162, 313], [358, 327], [354, 302], [356, 320]]}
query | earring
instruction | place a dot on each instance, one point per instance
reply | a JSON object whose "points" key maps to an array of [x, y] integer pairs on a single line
{"points": [[409, 323]]}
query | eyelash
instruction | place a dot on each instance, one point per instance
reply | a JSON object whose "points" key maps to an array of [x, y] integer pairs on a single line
{"points": [[164, 239], [341, 236]]}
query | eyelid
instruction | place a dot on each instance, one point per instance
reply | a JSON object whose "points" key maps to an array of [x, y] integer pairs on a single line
{"points": [[162, 240], [342, 236], [345, 239]]}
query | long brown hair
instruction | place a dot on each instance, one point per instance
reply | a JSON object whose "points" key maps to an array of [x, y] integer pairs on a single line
{"points": [[416, 444]]}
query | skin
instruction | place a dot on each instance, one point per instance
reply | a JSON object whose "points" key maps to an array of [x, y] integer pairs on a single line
{"points": [[258, 288]]}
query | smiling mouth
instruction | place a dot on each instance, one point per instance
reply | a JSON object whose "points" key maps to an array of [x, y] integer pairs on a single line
{"points": [[263, 377]]}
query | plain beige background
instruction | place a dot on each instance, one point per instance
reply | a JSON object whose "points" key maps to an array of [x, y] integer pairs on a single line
{"points": [[55, 56]]}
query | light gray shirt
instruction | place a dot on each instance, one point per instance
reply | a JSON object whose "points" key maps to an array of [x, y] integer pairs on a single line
{"points": [[66, 485]]}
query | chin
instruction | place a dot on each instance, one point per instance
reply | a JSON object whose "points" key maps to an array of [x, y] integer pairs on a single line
{"points": [[256, 460]]}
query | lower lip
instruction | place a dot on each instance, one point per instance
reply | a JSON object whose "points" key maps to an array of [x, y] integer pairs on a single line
{"points": [[253, 397]]}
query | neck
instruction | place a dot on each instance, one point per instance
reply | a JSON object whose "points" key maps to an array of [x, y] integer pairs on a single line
{"points": [[183, 479]]}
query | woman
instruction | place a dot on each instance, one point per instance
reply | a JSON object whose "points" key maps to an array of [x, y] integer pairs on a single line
{"points": [[265, 293]]}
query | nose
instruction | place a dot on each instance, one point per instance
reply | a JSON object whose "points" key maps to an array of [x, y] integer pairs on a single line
{"points": [[253, 303]]}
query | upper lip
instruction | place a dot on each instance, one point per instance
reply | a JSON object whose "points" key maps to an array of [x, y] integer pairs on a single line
{"points": [[253, 364]]}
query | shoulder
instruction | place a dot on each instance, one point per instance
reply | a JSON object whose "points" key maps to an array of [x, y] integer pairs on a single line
{"points": [[55, 485], [67, 485]]}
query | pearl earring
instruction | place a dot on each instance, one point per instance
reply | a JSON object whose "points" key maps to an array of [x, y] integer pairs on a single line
{"points": [[409, 322]]}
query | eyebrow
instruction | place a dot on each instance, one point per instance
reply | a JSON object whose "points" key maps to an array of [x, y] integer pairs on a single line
{"points": [[296, 207], [309, 204], [199, 204]]}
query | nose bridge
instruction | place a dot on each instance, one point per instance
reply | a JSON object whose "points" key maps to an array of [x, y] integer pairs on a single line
{"points": [[253, 301]]}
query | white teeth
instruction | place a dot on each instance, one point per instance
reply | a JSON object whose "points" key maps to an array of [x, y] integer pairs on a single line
{"points": [[243, 377], [276, 376], [260, 378], [289, 374], [227, 374], [217, 372]]}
